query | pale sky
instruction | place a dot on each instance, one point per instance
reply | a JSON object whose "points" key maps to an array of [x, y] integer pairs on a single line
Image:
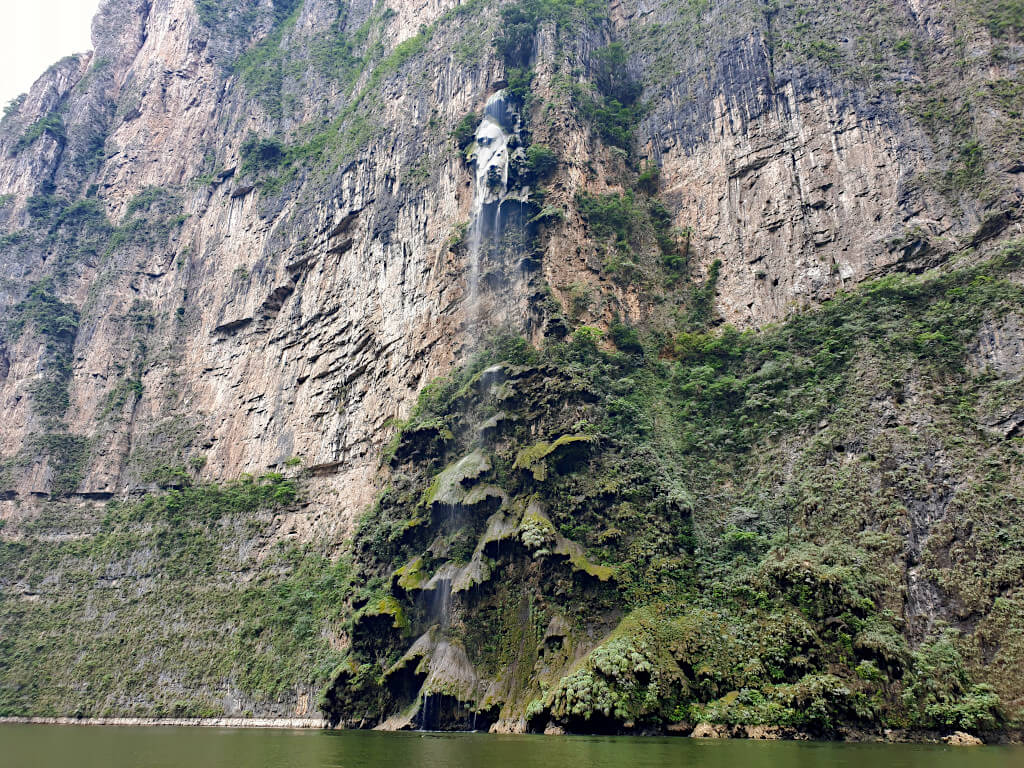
{"points": [[36, 33]]}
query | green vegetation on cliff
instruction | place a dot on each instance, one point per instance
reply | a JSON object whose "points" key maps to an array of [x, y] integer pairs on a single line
{"points": [[194, 585], [642, 521], [747, 519]]}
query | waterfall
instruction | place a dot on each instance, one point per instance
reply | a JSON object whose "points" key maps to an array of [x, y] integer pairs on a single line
{"points": [[494, 141], [490, 153]]}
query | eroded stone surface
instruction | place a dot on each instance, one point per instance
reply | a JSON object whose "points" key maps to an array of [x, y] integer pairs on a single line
{"points": [[300, 325]]}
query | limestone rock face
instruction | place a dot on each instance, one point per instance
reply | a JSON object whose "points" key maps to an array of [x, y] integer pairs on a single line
{"points": [[710, 731], [799, 183], [231, 236], [298, 322], [291, 329], [1000, 348]]}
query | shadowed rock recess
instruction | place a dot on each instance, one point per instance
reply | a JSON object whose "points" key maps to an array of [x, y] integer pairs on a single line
{"points": [[543, 365]]}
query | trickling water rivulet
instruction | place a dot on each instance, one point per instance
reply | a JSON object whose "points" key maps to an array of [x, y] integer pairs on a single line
{"points": [[491, 161], [448, 692], [490, 153]]}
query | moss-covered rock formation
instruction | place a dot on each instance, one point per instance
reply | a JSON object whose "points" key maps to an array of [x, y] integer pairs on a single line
{"points": [[146, 608], [728, 295], [795, 527]]}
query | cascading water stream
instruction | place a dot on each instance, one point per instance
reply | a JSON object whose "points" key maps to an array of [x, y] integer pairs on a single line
{"points": [[491, 156]]}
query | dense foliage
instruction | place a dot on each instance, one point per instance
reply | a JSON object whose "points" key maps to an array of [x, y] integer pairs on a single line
{"points": [[76, 639], [648, 520], [719, 486]]}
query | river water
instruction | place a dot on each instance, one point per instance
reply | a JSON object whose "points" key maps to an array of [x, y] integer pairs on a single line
{"points": [[42, 746]]}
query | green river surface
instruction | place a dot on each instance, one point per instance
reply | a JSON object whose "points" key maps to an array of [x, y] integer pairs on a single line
{"points": [[44, 746]]}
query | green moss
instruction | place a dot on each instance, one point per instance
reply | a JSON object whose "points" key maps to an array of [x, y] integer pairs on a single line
{"points": [[388, 606], [533, 459], [449, 486], [580, 562], [754, 505], [536, 530], [412, 575]]}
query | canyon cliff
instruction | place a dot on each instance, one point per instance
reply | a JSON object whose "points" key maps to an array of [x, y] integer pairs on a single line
{"points": [[581, 365]]}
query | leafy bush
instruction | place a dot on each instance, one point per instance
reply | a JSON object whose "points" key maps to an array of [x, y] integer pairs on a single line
{"points": [[702, 297], [519, 83], [630, 676], [816, 703], [648, 179], [14, 105], [260, 154], [967, 168], [541, 162], [1003, 18], [51, 125], [146, 199], [610, 216], [464, 131], [821, 583], [45, 206], [976, 709], [615, 122], [938, 693], [54, 320], [611, 106], [625, 338]]}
